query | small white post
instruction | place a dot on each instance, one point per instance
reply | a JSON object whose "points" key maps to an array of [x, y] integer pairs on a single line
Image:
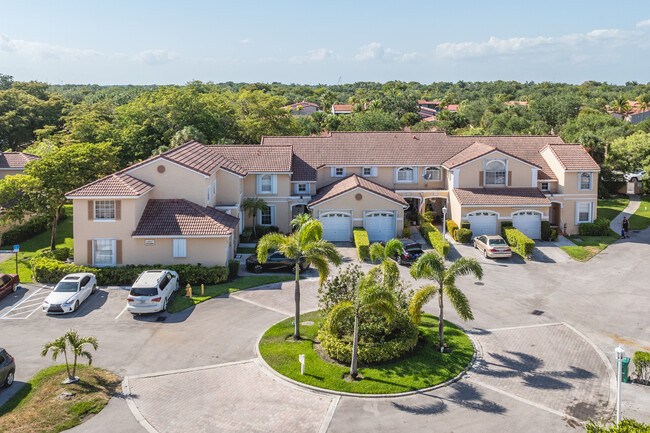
{"points": [[301, 358], [620, 352]]}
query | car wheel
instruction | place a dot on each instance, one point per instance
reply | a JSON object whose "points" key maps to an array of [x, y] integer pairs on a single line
{"points": [[76, 306], [14, 287], [164, 308], [94, 288], [258, 269], [485, 254], [9, 380], [399, 260]]}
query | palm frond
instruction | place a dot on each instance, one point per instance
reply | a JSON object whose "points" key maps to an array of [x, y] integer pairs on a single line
{"points": [[322, 267], [379, 299], [311, 231], [270, 241], [324, 249], [420, 298], [390, 273], [86, 354], [429, 265], [300, 220], [393, 248], [466, 266], [377, 252], [459, 301], [339, 313]]}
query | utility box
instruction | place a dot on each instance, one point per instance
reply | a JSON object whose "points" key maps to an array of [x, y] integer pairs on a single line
{"points": [[625, 365]]}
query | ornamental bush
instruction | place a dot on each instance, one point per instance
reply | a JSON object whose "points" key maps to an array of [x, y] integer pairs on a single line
{"points": [[641, 362], [406, 233], [437, 242], [233, 269], [362, 243], [451, 228], [518, 241], [600, 227], [546, 231], [31, 228], [464, 235], [465, 225]]}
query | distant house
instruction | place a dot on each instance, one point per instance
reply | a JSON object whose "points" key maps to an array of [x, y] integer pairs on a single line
{"points": [[303, 108], [341, 109], [427, 113], [14, 162], [522, 103], [452, 107], [634, 115], [434, 105]]}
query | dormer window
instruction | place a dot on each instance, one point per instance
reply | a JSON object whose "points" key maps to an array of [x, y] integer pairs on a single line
{"points": [[405, 175], [432, 173], [369, 171], [545, 186], [302, 188], [495, 173], [338, 172], [585, 182], [266, 184]]}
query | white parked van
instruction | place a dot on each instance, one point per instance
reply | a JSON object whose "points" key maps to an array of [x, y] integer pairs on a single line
{"points": [[152, 291]]}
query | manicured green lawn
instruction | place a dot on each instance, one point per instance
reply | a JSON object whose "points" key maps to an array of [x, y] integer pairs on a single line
{"points": [[39, 242], [35, 407], [611, 207], [589, 246], [180, 302], [641, 218], [425, 368]]}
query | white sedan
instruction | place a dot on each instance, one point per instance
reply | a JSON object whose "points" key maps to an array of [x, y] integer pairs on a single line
{"points": [[69, 293]]}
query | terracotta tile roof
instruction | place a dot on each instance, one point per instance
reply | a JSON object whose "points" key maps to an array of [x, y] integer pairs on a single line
{"points": [[256, 157], [573, 157], [634, 109], [523, 103], [351, 182], [429, 119], [423, 102], [500, 196], [114, 185], [346, 107], [452, 107], [303, 103], [471, 152], [402, 148], [15, 160], [180, 217]]}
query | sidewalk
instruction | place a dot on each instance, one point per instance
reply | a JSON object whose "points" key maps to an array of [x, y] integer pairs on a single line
{"points": [[632, 206]]}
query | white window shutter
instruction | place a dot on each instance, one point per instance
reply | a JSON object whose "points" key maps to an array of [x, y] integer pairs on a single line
{"points": [[274, 184], [180, 247], [415, 175], [332, 171], [272, 215]]}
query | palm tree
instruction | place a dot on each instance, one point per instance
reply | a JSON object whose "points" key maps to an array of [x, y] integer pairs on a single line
{"points": [[385, 254], [304, 245], [368, 296], [620, 104], [71, 340], [432, 267], [299, 220], [644, 103], [252, 205]]}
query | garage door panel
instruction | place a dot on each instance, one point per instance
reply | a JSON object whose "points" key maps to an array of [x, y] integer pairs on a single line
{"points": [[483, 223], [337, 226], [380, 225], [529, 223]]}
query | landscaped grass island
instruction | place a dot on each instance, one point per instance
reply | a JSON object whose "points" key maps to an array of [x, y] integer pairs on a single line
{"points": [[423, 368]]}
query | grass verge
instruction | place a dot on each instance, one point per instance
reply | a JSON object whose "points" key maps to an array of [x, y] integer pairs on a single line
{"points": [[35, 244], [424, 368], [35, 407], [641, 218], [611, 207], [180, 302], [246, 250], [588, 246]]}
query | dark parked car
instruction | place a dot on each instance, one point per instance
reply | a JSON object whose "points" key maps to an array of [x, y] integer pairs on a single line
{"points": [[8, 284], [412, 251], [7, 368], [274, 261]]}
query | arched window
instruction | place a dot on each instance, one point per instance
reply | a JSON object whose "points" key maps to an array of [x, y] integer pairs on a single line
{"points": [[405, 174], [585, 181], [432, 173], [266, 183], [495, 173]]}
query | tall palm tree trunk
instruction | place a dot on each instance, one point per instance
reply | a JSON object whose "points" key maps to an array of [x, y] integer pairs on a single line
{"points": [[355, 346], [296, 296], [74, 367], [441, 327], [67, 366]]}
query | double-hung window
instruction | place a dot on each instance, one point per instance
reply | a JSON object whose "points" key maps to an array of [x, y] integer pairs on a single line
{"points": [[585, 182], [302, 188], [369, 171], [495, 173], [405, 175], [266, 184], [267, 217], [338, 172], [432, 173], [583, 212], [104, 253], [105, 210]]}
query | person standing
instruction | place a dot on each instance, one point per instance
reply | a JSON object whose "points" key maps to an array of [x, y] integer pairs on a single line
{"points": [[626, 228]]}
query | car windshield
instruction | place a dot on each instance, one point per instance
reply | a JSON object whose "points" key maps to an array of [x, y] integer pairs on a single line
{"points": [[412, 248], [497, 242], [144, 291], [66, 286]]}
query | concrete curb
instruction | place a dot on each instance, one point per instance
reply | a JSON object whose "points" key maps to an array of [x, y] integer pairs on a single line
{"points": [[470, 367], [134, 409]]}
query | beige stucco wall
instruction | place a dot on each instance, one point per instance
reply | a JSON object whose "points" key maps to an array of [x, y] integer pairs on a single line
{"points": [[175, 182], [283, 188], [385, 177], [10, 172], [568, 210], [522, 174], [505, 213], [206, 251], [571, 184], [282, 214], [557, 168], [229, 189]]}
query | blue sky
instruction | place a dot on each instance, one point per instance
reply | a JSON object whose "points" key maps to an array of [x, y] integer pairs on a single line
{"points": [[165, 42]]}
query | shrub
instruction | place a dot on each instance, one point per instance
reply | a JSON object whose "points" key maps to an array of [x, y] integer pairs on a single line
{"points": [[451, 228], [546, 231], [61, 254], [426, 228], [434, 237], [506, 224], [464, 235], [246, 235], [48, 270], [553, 234], [600, 227], [427, 217], [362, 243], [464, 225], [642, 365], [233, 269], [31, 228], [339, 287], [519, 242], [406, 233]]}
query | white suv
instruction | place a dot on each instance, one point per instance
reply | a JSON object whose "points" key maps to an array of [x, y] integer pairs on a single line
{"points": [[635, 177], [152, 291]]}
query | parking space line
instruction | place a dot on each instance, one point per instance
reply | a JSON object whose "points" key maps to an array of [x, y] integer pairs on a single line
{"points": [[28, 306], [121, 312], [6, 313]]}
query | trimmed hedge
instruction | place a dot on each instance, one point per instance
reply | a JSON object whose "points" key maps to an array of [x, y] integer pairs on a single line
{"points": [[465, 225], [362, 243], [406, 233], [233, 269], [464, 235], [600, 227], [247, 234], [553, 234], [641, 362], [368, 353], [519, 242], [434, 237], [31, 228], [452, 227], [546, 231], [47, 270]]}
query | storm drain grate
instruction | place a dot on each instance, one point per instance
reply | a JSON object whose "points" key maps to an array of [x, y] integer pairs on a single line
{"points": [[537, 312], [161, 318]]}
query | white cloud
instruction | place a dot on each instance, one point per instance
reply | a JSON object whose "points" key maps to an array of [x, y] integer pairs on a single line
{"points": [[318, 55], [375, 51], [369, 52], [42, 51], [503, 47], [644, 23], [244, 41], [155, 57]]}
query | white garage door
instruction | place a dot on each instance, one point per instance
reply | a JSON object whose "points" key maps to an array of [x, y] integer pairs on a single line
{"points": [[483, 223], [337, 226], [529, 223], [380, 225]]}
